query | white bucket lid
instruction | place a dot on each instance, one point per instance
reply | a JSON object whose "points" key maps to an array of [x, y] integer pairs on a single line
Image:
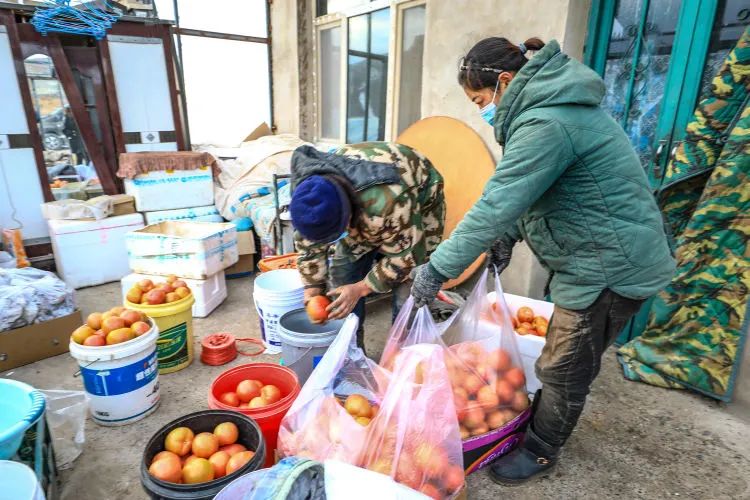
{"points": [[115, 351]]}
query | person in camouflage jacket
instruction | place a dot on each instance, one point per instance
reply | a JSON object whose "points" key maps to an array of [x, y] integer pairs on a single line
{"points": [[364, 216]]}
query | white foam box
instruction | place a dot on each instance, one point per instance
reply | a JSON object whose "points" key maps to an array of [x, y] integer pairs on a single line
{"points": [[246, 242], [208, 293], [194, 250], [529, 346], [90, 253], [195, 214], [170, 189]]}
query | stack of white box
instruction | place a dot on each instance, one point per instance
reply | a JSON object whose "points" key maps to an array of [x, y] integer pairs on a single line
{"points": [[197, 252], [174, 195]]}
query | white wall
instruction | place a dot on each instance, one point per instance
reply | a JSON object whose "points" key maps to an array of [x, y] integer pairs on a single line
{"points": [[450, 36], [19, 178]]}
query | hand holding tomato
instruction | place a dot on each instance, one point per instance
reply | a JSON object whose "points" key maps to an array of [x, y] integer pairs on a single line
{"points": [[348, 296]]}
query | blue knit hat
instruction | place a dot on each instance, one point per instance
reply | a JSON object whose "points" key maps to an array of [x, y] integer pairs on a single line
{"points": [[320, 209]]}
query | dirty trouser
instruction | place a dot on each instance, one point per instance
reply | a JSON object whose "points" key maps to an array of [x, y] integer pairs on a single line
{"points": [[571, 360], [345, 271]]}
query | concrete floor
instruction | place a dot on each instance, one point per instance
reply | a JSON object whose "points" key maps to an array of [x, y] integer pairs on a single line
{"points": [[633, 441]]}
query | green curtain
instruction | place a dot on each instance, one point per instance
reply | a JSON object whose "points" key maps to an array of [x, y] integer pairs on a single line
{"points": [[698, 324]]}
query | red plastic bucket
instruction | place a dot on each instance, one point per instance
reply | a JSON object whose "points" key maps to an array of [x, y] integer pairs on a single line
{"points": [[269, 417]]}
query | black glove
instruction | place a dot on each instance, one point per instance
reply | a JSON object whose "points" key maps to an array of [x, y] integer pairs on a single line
{"points": [[498, 256], [427, 284]]}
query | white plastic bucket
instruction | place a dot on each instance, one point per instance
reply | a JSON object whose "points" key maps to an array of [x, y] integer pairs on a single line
{"points": [[121, 380], [19, 482], [303, 343], [276, 293]]}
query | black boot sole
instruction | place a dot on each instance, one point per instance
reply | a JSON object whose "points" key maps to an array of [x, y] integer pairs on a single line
{"points": [[517, 482]]}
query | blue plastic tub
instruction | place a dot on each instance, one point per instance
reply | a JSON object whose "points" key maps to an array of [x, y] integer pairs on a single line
{"points": [[20, 407]]}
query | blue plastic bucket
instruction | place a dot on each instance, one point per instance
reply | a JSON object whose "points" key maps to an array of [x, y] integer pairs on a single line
{"points": [[20, 407]]}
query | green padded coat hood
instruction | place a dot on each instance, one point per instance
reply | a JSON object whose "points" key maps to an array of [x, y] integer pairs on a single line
{"points": [[547, 80]]}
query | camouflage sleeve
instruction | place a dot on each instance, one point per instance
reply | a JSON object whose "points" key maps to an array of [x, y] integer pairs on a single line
{"points": [[403, 238], [312, 262]]}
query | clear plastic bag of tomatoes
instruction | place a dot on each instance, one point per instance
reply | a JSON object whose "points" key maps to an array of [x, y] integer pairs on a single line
{"points": [[481, 358], [329, 418], [414, 438]]}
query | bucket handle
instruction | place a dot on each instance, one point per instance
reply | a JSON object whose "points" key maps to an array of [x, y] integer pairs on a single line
{"points": [[302, 356], [78, 373]]}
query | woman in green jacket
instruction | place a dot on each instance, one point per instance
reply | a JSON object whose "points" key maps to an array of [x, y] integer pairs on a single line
{"points": [[570, 185]]}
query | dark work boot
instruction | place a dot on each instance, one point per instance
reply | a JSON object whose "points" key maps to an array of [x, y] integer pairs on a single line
{"points": [[533, 457]]}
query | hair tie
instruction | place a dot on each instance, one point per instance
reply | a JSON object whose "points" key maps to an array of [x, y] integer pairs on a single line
{"points": [[523, 48]]}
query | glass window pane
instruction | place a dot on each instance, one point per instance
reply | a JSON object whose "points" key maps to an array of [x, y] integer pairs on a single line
{"points": [[226, 87], [334, 6], [165, 9], [356, 99], [410, 79], [648, 79], [330, 82], [241, 17], [376, 101], [380, 30], [358, 33], [69, 168]]}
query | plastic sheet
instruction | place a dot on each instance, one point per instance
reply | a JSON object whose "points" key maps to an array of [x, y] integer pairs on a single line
{"points": [[481, 358], [30, 295], [414, 438], [317, 426], [66, 417]]}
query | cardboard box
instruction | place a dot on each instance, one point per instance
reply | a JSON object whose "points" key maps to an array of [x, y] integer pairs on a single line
{"points": [[122, 204], [245, 242], [480, 451], [28, 344], [245, 266]]}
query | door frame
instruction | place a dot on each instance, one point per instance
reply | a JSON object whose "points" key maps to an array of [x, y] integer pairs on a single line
{"points": [[689, 51]]}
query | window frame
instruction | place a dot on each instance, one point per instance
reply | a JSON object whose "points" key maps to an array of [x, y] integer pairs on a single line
{"points": [[395, 61], [323, 23], [393, 69]]}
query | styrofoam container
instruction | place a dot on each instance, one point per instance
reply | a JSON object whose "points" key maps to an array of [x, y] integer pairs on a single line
{"points": [[195, 214], [170, 189], [529, 346], [194, 250], [93, 252], [208, 293]]}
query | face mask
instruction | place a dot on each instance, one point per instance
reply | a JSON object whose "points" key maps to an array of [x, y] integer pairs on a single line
{"points": [[488, 112]]}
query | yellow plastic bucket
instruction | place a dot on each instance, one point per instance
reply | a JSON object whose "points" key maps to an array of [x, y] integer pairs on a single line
{"points": [[174, 349]]}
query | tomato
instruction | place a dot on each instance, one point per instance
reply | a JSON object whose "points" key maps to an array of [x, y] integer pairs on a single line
{"points": [[179, 441], [205, 444], [166, 469], [238, 460], [226, 433], [94, 321], [357, 405], [230, 399], [257, 403], [271, 394], [131, 316], [166, 455], [453, 479], [525, 314], [487, 397], [248, 389], [504, 391], [199, 470], [317, 309], [499, 360], [520, 401], [515, 377], [233, 449], [430, 491], [473, 418], [82, 333], [95, 341], [219, 462]]}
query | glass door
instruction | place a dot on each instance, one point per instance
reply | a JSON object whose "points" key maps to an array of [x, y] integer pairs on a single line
{"points": [[657, 57]]}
